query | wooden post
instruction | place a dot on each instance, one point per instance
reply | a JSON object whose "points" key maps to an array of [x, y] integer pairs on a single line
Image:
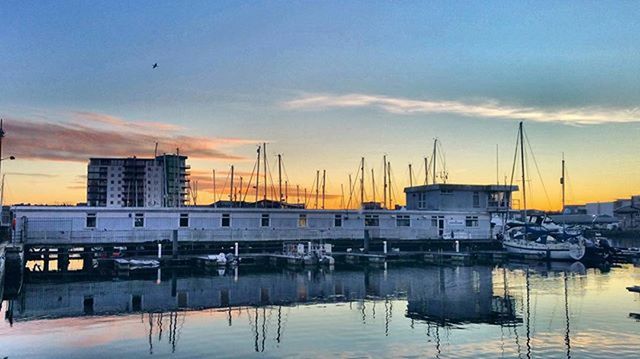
{"points": [[174, 240]]}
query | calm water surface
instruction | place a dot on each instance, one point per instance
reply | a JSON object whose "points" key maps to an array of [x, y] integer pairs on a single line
{"points": [[558, 310]]}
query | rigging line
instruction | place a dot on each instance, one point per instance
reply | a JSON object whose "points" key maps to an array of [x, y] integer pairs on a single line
{"points": [[224, 186], [537, 169], [515, 159], [270, 171], [306, 200], [246, 193], [353, 186]]}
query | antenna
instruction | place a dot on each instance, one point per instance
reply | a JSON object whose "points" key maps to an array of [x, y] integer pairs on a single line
{"points": [[155, 151]]}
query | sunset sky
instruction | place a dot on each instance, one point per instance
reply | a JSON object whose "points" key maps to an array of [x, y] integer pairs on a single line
{"points": [[323, 83]]}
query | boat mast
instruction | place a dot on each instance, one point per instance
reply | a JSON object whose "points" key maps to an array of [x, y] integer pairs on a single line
{"points": [[426, 170], [384, 173], [410, 176], [362, 182], [280, 176], [373, 185], [324, 178], [562, 180], [258, 176], [317, 187], [524, 188], [231, 193], [389, 176], [266, 171], [213, 177], [433, 159]]}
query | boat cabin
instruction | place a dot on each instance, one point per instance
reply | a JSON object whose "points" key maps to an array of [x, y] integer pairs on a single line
{"points": [[460, 197]]}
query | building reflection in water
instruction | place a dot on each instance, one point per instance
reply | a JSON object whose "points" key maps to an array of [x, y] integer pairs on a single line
{"points": [[440, 298]]}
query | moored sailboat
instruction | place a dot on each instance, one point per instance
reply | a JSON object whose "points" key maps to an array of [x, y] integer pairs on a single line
{"points": [[526, 238]]}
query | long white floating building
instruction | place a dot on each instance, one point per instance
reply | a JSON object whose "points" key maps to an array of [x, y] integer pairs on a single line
{"points": [[437, 212]]}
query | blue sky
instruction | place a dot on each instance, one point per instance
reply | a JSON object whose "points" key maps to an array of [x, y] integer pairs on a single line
{"points": [[229, 69]]}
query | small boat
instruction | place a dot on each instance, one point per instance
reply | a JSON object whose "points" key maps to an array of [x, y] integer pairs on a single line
{"points": [[635, 288]]}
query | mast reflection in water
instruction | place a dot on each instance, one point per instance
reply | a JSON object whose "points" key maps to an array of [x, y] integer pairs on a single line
{"points": [[473, 311]]}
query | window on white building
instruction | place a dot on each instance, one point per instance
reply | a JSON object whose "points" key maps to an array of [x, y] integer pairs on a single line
{"points": [[302, 220], [403, 221], [91, 220], [265, 220], [476, 199], [371, 220], [184, 219], [337, 221], [226, 220], [138, 220]]}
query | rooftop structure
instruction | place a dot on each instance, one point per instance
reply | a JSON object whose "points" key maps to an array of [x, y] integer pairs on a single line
{"points": [[137, 182], [460, 197]]}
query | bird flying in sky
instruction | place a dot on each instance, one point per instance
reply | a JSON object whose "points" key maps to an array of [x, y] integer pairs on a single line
{"points": [[155, 65]]}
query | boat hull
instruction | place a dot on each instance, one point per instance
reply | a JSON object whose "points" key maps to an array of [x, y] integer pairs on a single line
{"points": [[561, 251]]}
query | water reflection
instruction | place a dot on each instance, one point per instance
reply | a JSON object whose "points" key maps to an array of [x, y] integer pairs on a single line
{"points": [[519, 310]]}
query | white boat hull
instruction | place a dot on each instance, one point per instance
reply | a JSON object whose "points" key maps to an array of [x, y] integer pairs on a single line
{"points": [[555, 251]]}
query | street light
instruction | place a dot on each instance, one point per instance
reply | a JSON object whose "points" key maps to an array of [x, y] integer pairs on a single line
{"points": [[11, 158]]}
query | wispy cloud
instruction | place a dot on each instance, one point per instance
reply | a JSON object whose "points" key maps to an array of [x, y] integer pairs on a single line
{"points": [[97, 135], [31, 174], [482, 109]]}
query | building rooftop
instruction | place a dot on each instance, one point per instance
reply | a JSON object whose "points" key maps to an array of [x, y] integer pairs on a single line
{"points": [[462, 187]]}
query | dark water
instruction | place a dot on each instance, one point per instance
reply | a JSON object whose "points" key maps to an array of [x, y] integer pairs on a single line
{"points": [[562, 310]]}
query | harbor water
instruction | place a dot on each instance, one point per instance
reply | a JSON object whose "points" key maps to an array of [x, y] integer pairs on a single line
{"points": [[532, 310]]}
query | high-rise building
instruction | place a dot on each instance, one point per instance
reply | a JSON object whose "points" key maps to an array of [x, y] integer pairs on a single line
{"points": [[137, 182]]}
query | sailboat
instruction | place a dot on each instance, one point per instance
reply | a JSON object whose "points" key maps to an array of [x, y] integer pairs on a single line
{"points": [[532, 238]]}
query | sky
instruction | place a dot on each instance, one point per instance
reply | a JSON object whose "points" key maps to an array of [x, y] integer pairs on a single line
{"points": [[324, 84]]}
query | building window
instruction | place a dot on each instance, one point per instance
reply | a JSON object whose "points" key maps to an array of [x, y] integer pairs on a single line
{"points": [[184, 219], [302, 220], [471, 221], [138, 220], [422, 200], [264, 221], [403, 221], [446, 192], [337, 221], [371, 220], [476, 199], [91, 220], [226, 220]]}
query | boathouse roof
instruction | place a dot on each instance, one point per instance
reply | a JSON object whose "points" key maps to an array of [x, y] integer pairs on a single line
{"points": [[462, 187]]}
